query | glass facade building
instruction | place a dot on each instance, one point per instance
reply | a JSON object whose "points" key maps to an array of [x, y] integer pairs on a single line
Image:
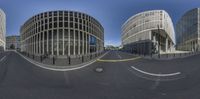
{"points": [[188, 31], [62, 33], [148, 32], [2, 30]]}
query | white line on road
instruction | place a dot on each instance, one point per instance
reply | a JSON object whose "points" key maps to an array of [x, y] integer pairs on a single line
{"points": [[118, 55], [2, 58], [153, 74]]}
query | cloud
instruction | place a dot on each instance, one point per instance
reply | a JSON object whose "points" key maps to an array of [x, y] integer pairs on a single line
{"points": [[112, 42]]}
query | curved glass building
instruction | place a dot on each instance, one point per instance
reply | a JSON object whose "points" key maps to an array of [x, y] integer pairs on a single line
{"points": [[148, 32], [62, 33], [188, 31], [2, 30]]}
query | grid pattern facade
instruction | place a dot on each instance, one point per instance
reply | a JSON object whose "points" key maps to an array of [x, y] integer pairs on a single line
{"points": [[188, 32], [13, 41], [62, 33], [141, 26], [2, 30]]}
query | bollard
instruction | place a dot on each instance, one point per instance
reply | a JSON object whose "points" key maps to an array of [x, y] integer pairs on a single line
{"points": [[53, 60], [40, 58], [69, 60], [82, 59]]}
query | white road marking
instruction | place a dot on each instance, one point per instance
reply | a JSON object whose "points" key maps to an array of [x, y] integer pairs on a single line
{"points": [[153, 74], [156, 84], [118, 55], [2, 58], [56, 69]]}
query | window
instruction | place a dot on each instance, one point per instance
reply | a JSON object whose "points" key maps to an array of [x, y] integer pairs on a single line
{"points": [[71, 25], [55, 13], [75, 14], [60, 13], [46, 21], [50, 19], [55, 24], [45, 14], [45, 26], [66, 24], [71, 19], [50, 14], [71, 14], [80, 20], [50, 25], [60, 24], [76, 25], [60, 18], [80, 26], [66, 18], [76, 19], [55, 19]]}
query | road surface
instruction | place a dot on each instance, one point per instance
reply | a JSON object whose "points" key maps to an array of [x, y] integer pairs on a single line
{"points": [[19, 79]]}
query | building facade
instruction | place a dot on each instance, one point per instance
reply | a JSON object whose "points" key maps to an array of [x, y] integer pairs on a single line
{"points": [[13, 42], [62, 33], [148, 32], [2, 30], [188, 31]]}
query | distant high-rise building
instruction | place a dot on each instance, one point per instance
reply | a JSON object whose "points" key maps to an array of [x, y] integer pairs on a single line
{"points": [[2, 30], [13, 42], [188, 31], [148, 32]]}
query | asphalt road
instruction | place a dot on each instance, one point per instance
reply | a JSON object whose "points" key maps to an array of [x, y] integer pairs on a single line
{"points": [[20, 79]]}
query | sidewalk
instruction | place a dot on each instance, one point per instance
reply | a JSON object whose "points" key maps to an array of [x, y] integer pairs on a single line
{"points": [[61, 68], [170, 56]]}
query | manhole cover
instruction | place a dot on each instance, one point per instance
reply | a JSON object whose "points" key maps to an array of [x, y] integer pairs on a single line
{"points": [[99, 69]]}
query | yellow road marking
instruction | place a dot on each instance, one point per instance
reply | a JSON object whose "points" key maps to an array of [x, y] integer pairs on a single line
{"points": [[119, 60]]}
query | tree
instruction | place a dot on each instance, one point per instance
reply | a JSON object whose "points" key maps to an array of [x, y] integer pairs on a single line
{"points": [[12, 46]]}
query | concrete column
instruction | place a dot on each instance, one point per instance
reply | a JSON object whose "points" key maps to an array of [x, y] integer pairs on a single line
{"points": [[74, 43], [63, 42], [52, 43], [166, 44], [69, 42], [47, 42], [79, 42], [33, 44], [43, 44], [86, 44], [83, 40], [39, 43], [89, 44], [154, 38], [57, 42], [36, 44]]}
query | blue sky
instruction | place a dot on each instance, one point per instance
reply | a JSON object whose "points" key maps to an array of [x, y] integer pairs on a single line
{"points": [[110, 13]]}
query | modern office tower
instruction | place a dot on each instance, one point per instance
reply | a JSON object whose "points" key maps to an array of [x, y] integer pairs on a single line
{"points": [[148, 32], [188, 31], [62, 33], [2, 30], [13, 42]]}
